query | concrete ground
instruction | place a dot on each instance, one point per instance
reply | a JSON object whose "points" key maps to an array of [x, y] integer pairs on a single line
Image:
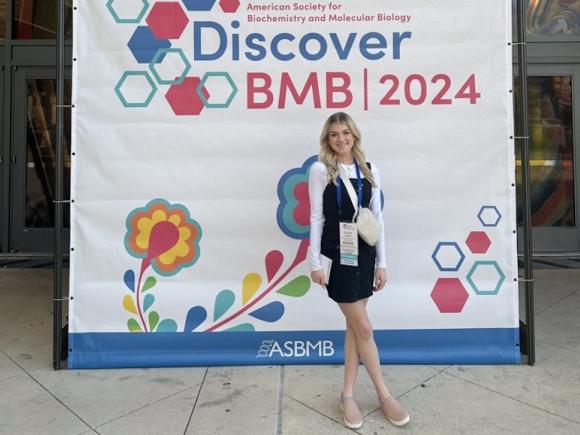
{"points": [[448, 400]]}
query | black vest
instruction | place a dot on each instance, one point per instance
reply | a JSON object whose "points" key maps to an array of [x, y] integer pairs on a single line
{"points": [[330, 233]]}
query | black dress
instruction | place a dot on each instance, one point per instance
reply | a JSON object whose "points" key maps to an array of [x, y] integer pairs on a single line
{"points": [[346, 283]]}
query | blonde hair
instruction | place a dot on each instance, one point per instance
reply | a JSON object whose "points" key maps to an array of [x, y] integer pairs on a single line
{"points": [[328, 156]]}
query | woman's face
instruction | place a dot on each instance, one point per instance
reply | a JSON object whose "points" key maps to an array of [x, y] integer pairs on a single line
{"points": [[341, 139]]}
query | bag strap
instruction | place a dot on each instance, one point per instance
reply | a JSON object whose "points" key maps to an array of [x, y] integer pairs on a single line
{"points": [[350, 190]]}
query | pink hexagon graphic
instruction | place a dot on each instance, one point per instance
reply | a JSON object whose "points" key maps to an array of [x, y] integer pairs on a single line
{"points": [[183, 98], [229, 6], [167, 20], [449, 295], [478, 242]]}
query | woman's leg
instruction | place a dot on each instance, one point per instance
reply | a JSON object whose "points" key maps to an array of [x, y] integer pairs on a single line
{"points": [[349, 407], [351, 359], [351, 362], [357, 318], [362, 332]]}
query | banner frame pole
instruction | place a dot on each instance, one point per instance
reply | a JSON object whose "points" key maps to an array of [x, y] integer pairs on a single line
{"points": [[58, 197], [522, 56], [523, 136]]}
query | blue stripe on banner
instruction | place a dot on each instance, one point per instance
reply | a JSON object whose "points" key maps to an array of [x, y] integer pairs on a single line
{"points": [[423, 346]]}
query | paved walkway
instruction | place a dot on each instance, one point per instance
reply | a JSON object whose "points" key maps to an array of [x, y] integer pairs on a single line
{"points": [[447, 400]]}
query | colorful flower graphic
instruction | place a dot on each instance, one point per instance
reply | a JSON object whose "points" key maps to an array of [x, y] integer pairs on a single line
{"points": [[293, 213], [272, 311], [293, 217], [164, 236]]}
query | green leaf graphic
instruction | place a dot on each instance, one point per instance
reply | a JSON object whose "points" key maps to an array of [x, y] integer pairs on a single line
{"points": [[296, 288], [133, 325], [153, 320], [149, 283]]}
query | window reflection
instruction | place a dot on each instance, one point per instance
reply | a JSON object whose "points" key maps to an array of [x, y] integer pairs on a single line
{"points": [[551, 152], [41, 152], [553, 17], [37, 19]]}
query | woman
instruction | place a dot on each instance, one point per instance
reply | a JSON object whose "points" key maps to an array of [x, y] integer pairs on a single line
{"points": [[350, 286]]}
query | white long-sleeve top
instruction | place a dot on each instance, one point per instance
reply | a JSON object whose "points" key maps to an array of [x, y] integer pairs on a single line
{"points": [[317, 181]]}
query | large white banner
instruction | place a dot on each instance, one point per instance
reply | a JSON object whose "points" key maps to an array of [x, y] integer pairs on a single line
{"points": [[195, 123]]}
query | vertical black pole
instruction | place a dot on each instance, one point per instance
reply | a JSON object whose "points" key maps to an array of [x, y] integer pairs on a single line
{"points": [[58, 190], [523, 137]]}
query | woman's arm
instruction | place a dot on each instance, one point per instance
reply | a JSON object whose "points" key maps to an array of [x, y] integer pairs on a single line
{"points": [[375, 206], [317, 180]]}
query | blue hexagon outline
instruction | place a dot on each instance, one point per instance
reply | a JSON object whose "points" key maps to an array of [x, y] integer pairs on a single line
{"points": [[501, 276], [158, 54], [120, 83], [206, 102], [448, 269], [483, 207], [135, 20]]}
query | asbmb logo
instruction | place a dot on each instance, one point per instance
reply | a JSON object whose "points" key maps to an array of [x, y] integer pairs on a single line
{"points": [[295, 348], [151, 45]]}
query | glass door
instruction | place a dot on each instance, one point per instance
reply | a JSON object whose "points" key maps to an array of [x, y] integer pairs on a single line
{"points": [[554, 118], [34, 159], [4, 164]]}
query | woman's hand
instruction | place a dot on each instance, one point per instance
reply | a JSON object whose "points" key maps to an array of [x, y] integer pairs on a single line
{"points": [[317, 276], [380, 278]]}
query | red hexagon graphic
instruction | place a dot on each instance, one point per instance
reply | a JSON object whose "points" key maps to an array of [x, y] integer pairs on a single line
{"points": [[478, 242], [167, 20], [229, 6], [449, 295], [183, 98]]}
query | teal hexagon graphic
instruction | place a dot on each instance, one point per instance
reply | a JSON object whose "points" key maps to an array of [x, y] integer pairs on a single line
{"points": [[485, 277], [130, 11], [164, 58], [135, 89], [221, 75]]}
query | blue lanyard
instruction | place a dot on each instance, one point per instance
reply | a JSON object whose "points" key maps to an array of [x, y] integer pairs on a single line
{"points": [[358, 189]]}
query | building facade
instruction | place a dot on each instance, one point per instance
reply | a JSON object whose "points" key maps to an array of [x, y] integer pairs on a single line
{"points": [[28, 121]]}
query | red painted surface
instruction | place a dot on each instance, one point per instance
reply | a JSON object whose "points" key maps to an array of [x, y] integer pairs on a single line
{"points": [[449, 295], [478, 242], [183, 98], [229, 6], [167, 20]]}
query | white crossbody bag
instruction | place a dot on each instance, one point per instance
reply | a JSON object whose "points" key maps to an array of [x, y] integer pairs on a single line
{"points": [[367, 225]]}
